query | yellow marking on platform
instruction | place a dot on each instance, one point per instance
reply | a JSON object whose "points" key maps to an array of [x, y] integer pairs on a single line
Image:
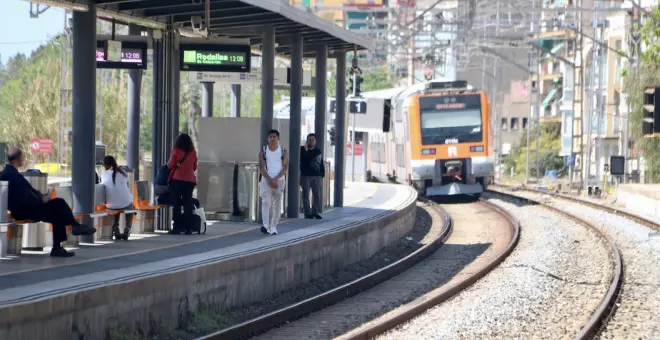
{"points": [[127, 253]]}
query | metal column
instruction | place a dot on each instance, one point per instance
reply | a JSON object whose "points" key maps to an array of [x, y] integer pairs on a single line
{"points": [[156, 113], [207, 100], [267, 81], [84, 117], [293, 197], [176, 86], [340, 129], [133, 119], [320, 105], [236, 100]]}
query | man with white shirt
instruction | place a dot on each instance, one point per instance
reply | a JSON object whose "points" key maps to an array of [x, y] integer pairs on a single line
{"points": [[273, 165]]}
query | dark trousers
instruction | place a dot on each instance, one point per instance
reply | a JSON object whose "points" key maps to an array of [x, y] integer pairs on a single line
{"points": [[129, 218], [55, 212], [313, 183], [181, 192]]}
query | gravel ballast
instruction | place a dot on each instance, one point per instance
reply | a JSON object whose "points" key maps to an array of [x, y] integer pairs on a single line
{"points": [[637, 315], [546, 289]]}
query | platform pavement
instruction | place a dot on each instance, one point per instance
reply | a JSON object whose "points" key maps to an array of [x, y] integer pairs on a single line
{"points": [[21, 275]]}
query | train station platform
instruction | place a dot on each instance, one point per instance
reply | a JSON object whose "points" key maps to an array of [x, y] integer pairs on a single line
{"points": [[152, 279]]}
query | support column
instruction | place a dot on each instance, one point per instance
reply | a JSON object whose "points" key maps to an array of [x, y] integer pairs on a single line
{"points": [[84, 115], [156, 113], [340, 129], [293, 198], [321, 102], [176, 86], [133, 119], [267, 81], [236, 100], [207, 100]]}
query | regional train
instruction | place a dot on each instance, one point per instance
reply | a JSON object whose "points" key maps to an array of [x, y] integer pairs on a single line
{"points": [[439, 139]]}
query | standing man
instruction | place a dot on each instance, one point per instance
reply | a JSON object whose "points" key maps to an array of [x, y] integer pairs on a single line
{"points": [[273, 164], [312, 171]]}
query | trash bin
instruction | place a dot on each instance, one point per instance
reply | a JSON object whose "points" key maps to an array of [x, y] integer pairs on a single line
{"points": [[34, 234]]}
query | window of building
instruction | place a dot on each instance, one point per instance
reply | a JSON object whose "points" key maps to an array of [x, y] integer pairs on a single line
{"points": [[504, 124], [514, 124], [524, 123]]}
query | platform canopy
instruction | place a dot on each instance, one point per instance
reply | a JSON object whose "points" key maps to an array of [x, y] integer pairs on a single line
{"points": [[229, 18]]}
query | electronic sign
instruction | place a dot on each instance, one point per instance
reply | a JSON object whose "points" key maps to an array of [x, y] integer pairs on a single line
{"points": [[133, 56], [215, 58]]}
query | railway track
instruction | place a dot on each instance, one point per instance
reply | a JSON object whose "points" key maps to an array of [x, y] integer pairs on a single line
{"points": [[414, 278], [636, 314]]}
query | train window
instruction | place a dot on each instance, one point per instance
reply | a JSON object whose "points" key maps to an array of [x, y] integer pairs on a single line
{"points": [[524, 125], [514, 124], [438, 126], [504, 124]]}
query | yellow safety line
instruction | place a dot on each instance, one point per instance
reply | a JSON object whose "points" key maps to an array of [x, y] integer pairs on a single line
{"points": [[129, 253], [371, 194]]}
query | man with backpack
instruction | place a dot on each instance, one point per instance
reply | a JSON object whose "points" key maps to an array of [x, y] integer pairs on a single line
{"points": [[273, 165]]}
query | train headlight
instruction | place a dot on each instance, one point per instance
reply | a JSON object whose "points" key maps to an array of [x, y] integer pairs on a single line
{"points": [[428, 151], [478, 148]]}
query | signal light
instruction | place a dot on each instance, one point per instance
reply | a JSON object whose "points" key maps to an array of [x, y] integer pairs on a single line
{"points": [[651, 118], [478, 148]]}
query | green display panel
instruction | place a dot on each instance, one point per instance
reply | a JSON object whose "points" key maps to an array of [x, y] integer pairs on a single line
{"points": [[215, 58]]}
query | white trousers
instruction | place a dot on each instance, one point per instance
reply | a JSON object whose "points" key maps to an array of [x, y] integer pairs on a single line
{"points": [[271, 200]]}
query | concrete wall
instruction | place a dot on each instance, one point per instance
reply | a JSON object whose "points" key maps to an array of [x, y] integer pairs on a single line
{"points": [[167, 300], [641, 199]]}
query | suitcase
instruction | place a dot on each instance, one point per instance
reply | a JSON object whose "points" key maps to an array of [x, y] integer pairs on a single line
{"points": [[193, 221]]}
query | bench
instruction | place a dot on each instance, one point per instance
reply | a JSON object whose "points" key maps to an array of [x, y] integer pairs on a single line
{"points": [[12, 244]]}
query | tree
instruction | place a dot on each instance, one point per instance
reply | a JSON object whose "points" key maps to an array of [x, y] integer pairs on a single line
{"points": [[549, 147], [647, 74]]}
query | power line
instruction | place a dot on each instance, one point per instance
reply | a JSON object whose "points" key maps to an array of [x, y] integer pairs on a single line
{"points": [[22, 42]]}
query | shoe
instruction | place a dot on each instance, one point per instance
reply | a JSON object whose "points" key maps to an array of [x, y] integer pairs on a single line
{"points": [[188, 232], [317, 216], [273, 231], [81, 229], [174, 232], [126, 234], [264, 230], [116, 234], [61, 252], [309, 217]]}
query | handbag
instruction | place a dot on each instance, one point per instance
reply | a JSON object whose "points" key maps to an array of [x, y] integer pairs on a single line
{"points": [[178, 164]]}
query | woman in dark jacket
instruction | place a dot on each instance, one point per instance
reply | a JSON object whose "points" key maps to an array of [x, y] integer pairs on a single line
{"points": [[182, 165]]}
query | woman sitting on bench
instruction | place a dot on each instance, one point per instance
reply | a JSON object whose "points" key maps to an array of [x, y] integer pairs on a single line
{"points": [[117, 195]]}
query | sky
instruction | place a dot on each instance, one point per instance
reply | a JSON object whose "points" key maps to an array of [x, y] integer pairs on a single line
{"points": [[21, 34]]}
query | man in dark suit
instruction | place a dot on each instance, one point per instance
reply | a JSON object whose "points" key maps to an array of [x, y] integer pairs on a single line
{"points": [[312, 171], [27, 203]]}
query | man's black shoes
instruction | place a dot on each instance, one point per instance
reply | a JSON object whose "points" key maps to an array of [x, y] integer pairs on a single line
{"points": [[81, 229], [61, 252]]}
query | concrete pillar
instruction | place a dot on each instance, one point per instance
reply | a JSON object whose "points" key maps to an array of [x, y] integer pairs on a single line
{"points": [[207, 100], [293, 198], [84, 114], [340, 129], [321, 105], [267, 81], [236, 100], [133, 119]]}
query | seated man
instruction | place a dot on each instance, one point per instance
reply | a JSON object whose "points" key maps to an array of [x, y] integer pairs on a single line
{"points": [[27, 203]]}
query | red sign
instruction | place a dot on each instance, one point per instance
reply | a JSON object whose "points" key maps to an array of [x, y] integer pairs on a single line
{"points": [[39, 145], [358, 149]]}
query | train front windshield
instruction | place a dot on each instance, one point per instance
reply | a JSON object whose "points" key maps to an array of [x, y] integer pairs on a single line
{"points": [[451, 119]]}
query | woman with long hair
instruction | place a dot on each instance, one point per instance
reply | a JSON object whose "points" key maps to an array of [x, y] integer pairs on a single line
{"points": [[118, 195], [182, 166]]}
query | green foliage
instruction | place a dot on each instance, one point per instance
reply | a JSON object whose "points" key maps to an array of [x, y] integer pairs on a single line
{"points": [[549, 147], [647, 74]]}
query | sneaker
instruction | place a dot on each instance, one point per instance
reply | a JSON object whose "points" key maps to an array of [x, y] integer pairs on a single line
{"points": [[116, 234], [273, 231], [81, 229], [264, 230], [126, 234], [317, 216], [61, 252]]}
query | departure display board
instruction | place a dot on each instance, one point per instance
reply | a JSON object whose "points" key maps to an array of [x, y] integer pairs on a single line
{"points": [[133, 56], [215, 58]]}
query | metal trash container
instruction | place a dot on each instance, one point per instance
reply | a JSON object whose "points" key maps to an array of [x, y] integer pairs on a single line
{"points": [[4, 226], [326, 185], [34, 234]]}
